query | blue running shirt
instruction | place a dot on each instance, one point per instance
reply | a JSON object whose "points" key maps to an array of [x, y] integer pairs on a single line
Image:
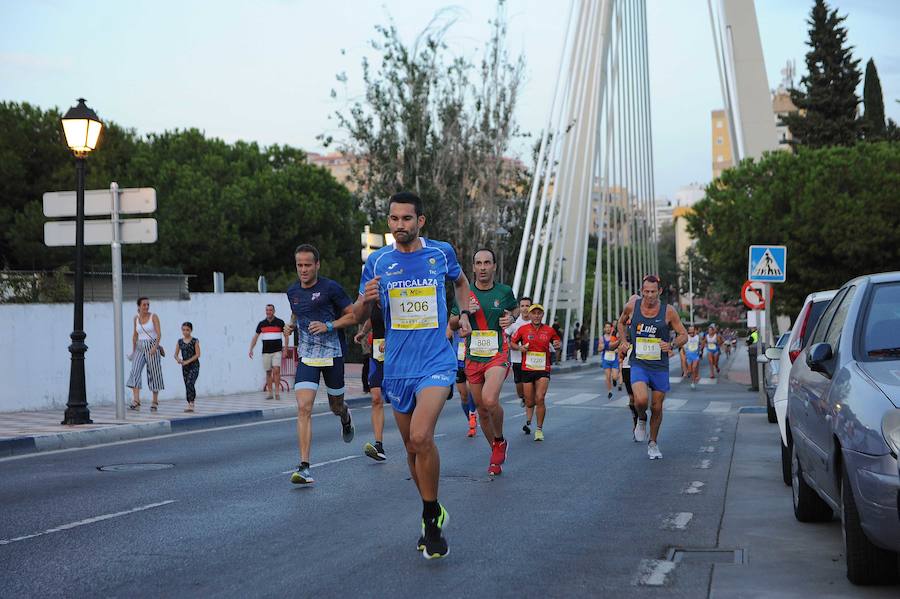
{"points": [[413, 294], [323, 302]]}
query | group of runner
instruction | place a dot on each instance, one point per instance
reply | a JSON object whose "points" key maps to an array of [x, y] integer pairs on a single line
{"points": [[421, 347]]}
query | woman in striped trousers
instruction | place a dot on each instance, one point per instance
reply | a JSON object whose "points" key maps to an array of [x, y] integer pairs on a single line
{"points": [[146, 351]]}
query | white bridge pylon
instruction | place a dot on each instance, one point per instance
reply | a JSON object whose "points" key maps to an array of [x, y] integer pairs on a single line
{"points": [[594, 174]]}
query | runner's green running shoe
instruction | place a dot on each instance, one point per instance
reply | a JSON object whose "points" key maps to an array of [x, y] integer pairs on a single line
{"points": [[302, 476], [538, 435], [434, 545]]}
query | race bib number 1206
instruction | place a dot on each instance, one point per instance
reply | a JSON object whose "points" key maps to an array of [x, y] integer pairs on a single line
{"points": [[413, 308]]}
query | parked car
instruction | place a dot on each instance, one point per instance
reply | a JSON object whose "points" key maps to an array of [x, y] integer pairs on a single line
{"points": [[771, 375], [813, 306], [844, 416]]}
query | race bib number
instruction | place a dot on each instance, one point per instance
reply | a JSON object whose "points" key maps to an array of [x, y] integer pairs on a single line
{"points": [[378, 349], [318, 362], [535, 360], [693, 346], [711, 346], [461, 351], [484, 344], [609, 355], [647, 348], [413, 308]]}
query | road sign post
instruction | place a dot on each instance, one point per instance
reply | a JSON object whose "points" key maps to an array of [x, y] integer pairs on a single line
{"points": [[766, 264], [113, 232]]}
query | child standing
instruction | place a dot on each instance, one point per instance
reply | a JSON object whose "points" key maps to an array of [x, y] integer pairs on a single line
{"points": [[187, 353]]}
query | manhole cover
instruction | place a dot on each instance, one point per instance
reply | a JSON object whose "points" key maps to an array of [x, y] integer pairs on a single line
{"points": [[134, 467], [707, 556]]}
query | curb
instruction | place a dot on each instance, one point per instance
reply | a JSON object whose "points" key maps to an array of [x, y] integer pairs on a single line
{"points": [[752, 410], [18, 446]]}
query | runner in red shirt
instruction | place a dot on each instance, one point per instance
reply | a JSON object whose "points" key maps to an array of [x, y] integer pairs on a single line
{"points": [[534, 340]]}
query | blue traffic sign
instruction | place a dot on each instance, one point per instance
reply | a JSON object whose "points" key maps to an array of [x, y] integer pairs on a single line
{"points": [[768, 263]]}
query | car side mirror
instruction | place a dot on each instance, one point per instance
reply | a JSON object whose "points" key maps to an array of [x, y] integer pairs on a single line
{"points": [[818, 356], [773, 353]]}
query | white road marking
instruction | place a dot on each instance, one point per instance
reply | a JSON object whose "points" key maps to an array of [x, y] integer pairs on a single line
{"points": [[718, 407], [579, 398], [171, 435], [694, 488], [72, 525], [653, 572], [678, 521], [703, 464], [674, 380], [674, 404], [707, 449], [713, 439], [706, 381]]}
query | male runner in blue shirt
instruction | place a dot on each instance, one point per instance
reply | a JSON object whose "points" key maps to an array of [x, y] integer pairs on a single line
{"points": [[319, 308], [409, 278]]}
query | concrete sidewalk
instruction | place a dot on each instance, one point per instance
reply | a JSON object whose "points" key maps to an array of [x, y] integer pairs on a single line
{"points": [[783, 557], [31, 432]]}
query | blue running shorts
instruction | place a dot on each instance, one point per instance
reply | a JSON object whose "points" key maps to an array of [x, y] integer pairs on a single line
{"points": [[657, 380], [308, 377], [376, 373], [691, 357], [402, 392]]}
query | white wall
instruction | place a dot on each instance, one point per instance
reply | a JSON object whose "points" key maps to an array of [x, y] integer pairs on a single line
{"points": [[35, 360]]}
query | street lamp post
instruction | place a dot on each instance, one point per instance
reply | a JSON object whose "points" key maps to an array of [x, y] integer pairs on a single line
{"points": [[82, 128]]}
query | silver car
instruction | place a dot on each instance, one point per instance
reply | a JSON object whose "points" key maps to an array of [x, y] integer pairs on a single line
{"points": [[844, 417]]}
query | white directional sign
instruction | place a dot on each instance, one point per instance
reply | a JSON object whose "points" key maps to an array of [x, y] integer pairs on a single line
{"points": [[100, 232], [767, 263], [98, 202]]}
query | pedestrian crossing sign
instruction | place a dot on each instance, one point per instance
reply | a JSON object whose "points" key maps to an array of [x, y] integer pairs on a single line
{"points": [[768, 263]]}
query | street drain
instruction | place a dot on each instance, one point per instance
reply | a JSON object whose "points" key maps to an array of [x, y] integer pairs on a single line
{"points": [[706, 556], [134, 467]]}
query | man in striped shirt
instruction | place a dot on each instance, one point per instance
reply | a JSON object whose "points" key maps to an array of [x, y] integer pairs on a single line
{"points": [[271, 329]]}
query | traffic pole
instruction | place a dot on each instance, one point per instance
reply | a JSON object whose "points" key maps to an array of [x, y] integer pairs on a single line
{"points": [[116, 251]]}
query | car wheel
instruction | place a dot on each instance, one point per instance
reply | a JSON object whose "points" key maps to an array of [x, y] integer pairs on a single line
{"points": [[866, 563], [770, 411], [786, 463], [808, 506]]}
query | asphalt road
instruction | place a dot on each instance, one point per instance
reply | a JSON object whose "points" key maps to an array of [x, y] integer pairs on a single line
{"points": [[584, 513]]}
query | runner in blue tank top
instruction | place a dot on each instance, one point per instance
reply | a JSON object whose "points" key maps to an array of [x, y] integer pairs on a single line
{"points": [[651, 321], [409, 278]]}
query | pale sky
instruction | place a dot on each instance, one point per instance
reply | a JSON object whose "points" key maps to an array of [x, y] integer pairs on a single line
{"points": [[263, 71]]}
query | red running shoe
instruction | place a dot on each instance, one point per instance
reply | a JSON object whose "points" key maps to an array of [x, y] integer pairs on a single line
{"points": [[495, 469], [498, 453], [473, 422]]}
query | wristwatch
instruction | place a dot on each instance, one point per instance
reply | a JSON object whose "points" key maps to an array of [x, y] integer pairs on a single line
{"points": [[466, 312]]}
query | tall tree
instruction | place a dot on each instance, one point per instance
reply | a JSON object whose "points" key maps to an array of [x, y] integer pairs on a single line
{"points": [[835, 208], [873, 102], [440, 127], [827, 100]]}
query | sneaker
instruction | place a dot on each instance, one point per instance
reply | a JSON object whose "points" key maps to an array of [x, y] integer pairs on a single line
{"points": [[473, 424], [609, 395], [302, 476], [495, 469], [499, 451], [432, 541], [693, 385], [347, 428], [526, 429], [653, 451], [640, 431], [538, 435], [376, 452]]}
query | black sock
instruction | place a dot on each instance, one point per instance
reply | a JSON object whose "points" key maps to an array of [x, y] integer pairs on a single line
{"points": [[304, 465], [378, 445], [430, 510], [498, 439]]}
